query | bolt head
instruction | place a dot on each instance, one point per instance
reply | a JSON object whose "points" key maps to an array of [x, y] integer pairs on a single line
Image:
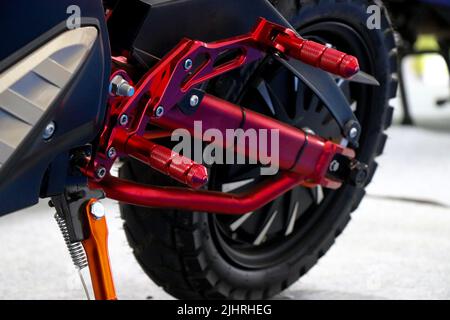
{"points": [[194, 100], [125, 90], [334, 166], [159, 111], [123, 120], [188, 64], [359, 173], [100, 172], [353, 133], [361, 177], [112, 153], [120, 87], [49, 131], [97, 210]]}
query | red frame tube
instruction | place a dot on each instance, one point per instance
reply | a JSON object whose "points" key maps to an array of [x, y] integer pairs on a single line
{"points": [[197, 200]]}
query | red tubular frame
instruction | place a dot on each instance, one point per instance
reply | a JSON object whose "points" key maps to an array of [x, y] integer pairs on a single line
{"points": [[197, 200], [303, 159]]}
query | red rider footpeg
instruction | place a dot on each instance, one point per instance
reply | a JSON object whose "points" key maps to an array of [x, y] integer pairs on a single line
{"points": [[168, 162]]}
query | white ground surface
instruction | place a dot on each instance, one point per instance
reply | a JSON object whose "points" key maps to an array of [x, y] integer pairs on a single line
{"points": [[392, 249]]}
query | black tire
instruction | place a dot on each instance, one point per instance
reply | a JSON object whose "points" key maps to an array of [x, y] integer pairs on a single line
{"points": [[180, 251]]}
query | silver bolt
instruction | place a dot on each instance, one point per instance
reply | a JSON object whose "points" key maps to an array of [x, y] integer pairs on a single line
{"points": [[334, 166], [159, 111], [194, 100], [120, 87], [49, 131], [97, 210], [125, 90], [100, 172], [123, 120], [187, 64], [353, 133], [112, 153]]}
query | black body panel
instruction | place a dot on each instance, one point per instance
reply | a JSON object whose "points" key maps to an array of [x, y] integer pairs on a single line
{"points": [[78, 111], [158, 25]]}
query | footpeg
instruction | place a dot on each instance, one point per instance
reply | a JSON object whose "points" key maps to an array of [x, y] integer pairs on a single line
{"points": [[318, 55], [168, 162]]}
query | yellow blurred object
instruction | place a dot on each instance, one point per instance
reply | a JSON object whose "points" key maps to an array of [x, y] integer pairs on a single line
{"points": [[424, 42]]}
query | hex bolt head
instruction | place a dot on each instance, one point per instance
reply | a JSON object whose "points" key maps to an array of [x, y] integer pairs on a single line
{"points": [[194, 100], [188, 64], [353, 133], [100, 172], [125, 90], [49, 131], [112, 153], [120, 87], [123, 120], [334, 166], [352, 130], [159, 111], [97, 210]]}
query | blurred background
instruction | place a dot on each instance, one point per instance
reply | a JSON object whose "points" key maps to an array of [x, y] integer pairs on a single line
{"points": [[396, 247]]}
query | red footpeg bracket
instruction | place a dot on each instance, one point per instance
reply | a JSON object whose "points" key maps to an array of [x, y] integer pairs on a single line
{"points": [[172, 81]]}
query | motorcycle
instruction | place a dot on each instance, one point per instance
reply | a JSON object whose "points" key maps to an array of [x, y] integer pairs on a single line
{"points": [[92, 85]]}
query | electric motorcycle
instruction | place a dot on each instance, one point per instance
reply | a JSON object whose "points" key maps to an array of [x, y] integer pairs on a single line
{"points": [[90, 85]]}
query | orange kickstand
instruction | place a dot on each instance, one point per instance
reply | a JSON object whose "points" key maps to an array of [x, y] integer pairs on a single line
{"points": [[96, 247]]}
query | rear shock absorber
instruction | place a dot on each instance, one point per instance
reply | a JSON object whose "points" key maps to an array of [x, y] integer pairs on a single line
{"points": [[76, 251]]}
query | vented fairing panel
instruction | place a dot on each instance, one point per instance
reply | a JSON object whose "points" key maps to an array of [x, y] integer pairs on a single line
{"points": [[49, 73]]}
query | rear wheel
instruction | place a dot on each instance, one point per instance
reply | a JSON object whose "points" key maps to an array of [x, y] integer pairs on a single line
{"points": [[198, 255]]}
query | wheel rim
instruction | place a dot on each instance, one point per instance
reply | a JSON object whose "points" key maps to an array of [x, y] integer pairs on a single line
{"points": [[271, 234]]}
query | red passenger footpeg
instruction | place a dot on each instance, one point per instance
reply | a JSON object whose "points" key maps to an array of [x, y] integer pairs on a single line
{"points": [[318, 55], [167, 162]]}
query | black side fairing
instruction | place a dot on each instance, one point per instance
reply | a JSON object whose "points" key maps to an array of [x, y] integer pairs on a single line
{"points": [[78, 110]]}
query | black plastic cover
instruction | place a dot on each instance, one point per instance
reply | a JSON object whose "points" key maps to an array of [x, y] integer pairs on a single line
{"points": [[79, 110]]}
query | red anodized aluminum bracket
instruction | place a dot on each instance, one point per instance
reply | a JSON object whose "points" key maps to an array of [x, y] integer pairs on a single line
{"points": [[305, 159]]}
